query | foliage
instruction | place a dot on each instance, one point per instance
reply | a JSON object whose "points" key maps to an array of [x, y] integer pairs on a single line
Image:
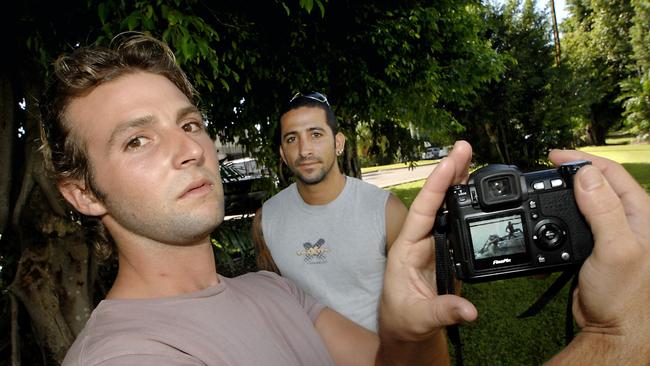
{"points": [[516, 118], [383, 65], [233, 246], [597, 48], [636, 89], [443, 62]]}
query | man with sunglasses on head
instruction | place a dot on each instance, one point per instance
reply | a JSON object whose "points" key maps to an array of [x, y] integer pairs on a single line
{"points": [[327, 232]]}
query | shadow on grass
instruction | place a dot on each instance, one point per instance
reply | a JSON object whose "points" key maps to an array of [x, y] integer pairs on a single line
{"points": [[498, 337]]}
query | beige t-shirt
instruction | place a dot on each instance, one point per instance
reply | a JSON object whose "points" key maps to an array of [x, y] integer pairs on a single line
{"points": [[255, 319]]}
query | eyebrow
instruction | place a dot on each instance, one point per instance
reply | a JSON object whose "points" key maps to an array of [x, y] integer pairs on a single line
{"points": [[191, 109], [310, 129], [148, 120]]}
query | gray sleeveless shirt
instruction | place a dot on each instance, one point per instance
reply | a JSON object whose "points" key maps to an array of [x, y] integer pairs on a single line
{"points": [[335, 252]]}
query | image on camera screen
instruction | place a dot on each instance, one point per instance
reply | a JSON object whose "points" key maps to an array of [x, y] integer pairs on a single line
{"points": [[497, 236]]}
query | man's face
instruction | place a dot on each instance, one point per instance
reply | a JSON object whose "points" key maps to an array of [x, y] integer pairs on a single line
{"points": [[150, 155], [308, 145]]}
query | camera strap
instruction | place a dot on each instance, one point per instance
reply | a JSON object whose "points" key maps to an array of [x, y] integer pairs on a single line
{"points": [[445, 283], [550, 293]]}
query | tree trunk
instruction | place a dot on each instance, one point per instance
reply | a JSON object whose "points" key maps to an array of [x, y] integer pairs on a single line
{"points": [[53, 276], [7, 133], [351, 166], [52, 283]]}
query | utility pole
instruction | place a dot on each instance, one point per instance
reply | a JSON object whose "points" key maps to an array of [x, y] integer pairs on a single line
{"points": [[556, 34]]}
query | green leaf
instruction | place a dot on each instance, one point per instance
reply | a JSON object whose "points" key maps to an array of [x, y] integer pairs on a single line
{"points": [[224, 83], [308, 5], [101, 11], [132, 21], [149, 13]]}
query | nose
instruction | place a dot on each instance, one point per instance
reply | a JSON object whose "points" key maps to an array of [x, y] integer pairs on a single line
{"points": [[187, 150], [305, 147]]}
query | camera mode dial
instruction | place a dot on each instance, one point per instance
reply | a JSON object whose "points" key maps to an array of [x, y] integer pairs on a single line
{"points": [[549, 234]]}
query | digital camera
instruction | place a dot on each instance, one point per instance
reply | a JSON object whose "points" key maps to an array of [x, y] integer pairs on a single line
{"points": [[505, 223]]}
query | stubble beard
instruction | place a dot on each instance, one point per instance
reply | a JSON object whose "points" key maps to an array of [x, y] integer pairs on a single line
{"points": [[149, 222], [315, 180]]}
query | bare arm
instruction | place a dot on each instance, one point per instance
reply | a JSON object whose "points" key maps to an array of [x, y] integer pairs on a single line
{"points": [[411, 315], [262, 254], [351, 344], [347, 342], [395, 216]]}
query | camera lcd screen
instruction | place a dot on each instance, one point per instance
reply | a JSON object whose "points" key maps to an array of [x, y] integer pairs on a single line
{"points": [[497, 237]]}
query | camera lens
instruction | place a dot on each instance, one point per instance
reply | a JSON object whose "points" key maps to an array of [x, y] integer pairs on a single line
{"points": [[499, 187]]}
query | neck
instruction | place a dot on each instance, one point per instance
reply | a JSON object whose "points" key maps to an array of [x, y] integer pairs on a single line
{"points": [[323, 192], [161, 270]]}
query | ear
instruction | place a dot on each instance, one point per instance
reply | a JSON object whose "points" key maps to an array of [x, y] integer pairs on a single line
{"points": [[83, 200], [284, 160], [339, 142]]}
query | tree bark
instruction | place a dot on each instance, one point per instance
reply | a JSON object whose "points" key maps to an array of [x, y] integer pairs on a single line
{"points": [[7, 131], [53, 279], [52, 283], [15, 337]]}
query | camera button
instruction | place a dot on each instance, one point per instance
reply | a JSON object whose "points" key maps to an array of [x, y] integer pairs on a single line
{"points": [[541, 259], [534, 216], [538, 186], [565, 256], [532, 204], [556, 183]]}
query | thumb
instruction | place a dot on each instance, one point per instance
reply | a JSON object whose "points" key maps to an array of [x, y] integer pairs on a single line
{"points": [[604, 211], [454, 309]]}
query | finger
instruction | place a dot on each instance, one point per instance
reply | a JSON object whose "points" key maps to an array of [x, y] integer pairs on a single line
{"points": [[636, 201], [621, 181], [603, 210], [452, 169], [455, 309]]}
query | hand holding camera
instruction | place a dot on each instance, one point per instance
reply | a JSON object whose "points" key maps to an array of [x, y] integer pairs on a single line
{"points": [[505, 223], [610, 228], [611, 301]]}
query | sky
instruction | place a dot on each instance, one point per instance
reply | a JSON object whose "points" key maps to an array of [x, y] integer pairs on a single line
{"points": [[560, 10]]}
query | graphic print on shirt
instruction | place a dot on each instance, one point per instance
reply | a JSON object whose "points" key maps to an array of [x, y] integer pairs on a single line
{"points": [[314, 253]]}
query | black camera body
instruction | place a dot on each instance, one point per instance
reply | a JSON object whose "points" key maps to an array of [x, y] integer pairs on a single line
{"points": [[504, 223]]}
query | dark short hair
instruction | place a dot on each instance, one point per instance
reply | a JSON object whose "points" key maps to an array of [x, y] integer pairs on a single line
{"points": [[301, 100], [77, 74]]}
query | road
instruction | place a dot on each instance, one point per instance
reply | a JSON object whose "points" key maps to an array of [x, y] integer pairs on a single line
{"points": [[391, 177]]}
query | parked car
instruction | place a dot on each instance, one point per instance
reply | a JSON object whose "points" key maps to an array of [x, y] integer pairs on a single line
{"points": [[244, 186], [434, 152]]}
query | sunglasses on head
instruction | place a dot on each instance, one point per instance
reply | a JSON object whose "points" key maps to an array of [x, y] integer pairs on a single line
{"points": [[313, 95]]}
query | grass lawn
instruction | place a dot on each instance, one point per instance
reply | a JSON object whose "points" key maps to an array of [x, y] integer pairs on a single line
{"points": [[635, 158], [371, 169], [498, 337]]}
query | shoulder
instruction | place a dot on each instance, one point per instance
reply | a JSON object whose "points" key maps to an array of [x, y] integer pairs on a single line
{"points": [[394, 203], [276, 289], [114, 337], [263, 281], [278, 203], [281, 196], [366, 190]]}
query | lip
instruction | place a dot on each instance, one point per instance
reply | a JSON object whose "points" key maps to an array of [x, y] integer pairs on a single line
{"points": [[197, 188], [309, 163]]}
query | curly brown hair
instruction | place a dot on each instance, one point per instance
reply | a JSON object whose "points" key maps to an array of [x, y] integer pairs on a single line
{"points": [[77, 74]]}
